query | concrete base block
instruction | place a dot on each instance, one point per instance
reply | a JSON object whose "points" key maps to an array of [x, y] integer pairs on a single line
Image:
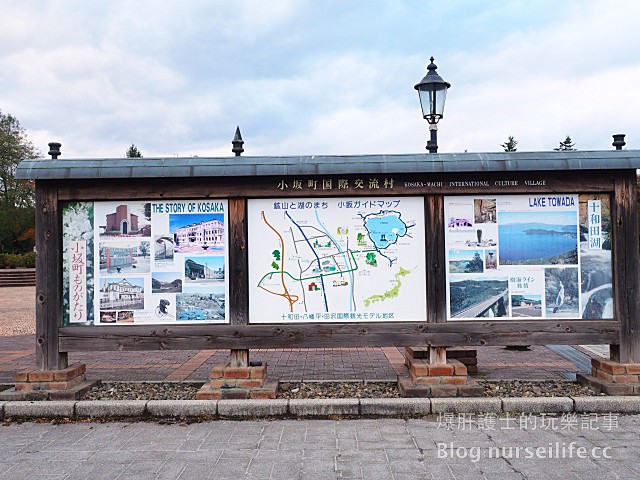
{"points": [[410, 389], [71, 393], [111, 408], [53, 409], [466, 405], [252, 408], [600, 385], [13, 395], [182, 408], [607, 404], [395, 407], [537, 404], [323, 407]]}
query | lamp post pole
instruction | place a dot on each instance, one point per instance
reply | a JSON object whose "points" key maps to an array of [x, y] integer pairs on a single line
{"points": [[432, 90], [432, 143]]}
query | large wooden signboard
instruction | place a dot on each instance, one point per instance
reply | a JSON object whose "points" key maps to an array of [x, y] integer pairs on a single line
{"points": [[442, 250]]}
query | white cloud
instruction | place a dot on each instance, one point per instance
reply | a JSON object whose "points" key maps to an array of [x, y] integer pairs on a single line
{"points": [[567, 79], [177, 78]]}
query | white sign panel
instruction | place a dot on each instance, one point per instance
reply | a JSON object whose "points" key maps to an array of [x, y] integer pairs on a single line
{"points": [[336, 260], [517, 256], [151, 262]]}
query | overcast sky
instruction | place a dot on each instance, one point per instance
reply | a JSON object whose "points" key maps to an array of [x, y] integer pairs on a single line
{"points": [[318, 77]]}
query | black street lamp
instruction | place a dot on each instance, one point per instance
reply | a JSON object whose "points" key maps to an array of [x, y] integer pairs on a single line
{"points": [[432, 91]]}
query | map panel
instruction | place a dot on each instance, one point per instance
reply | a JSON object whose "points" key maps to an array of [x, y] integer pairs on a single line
{"points": [[358, 259]]}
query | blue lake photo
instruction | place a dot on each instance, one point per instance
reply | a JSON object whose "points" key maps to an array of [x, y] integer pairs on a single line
{"points": [[537, 238]]}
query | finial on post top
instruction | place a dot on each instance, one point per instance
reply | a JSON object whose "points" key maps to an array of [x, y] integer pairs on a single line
{"points": [[618, 141], [54, 149], [237, 143]]}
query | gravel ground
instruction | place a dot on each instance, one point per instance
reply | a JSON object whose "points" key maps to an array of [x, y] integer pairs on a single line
{"points": [[548, 388], [143, 391], [17, 311], [187, 391]]}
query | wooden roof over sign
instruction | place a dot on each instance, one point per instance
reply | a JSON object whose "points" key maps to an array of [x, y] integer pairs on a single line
{"points": [[61, 168]]}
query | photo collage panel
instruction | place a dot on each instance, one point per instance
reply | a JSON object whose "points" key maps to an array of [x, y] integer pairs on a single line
{"points": [[156, 263], [528, 256]]}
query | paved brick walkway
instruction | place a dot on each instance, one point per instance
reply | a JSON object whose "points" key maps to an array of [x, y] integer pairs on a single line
{"points": [[17, 354], [374, 449]]}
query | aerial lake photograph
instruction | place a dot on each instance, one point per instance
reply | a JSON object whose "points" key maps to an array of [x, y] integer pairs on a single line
{"points": [[465, 261], [538, 238]]}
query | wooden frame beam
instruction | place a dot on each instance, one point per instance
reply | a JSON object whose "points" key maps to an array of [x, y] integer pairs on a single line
{"points": [[480, 333]]}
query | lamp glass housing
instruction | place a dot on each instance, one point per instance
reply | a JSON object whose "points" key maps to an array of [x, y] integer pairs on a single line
{"points": [[432, 98]]}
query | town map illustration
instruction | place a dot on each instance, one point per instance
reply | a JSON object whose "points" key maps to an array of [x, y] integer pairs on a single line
{"points": [[336, 260]]}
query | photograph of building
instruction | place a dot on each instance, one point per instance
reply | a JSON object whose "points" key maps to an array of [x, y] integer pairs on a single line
{"points": [[125, 258], [197, 233], [125, 223], [204, 269], [120, 293], [163, 251], [201, 305]]}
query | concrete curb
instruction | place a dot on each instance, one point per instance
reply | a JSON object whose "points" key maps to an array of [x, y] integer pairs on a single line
{"points": [[314, 408], [607, 404], [182, 408], [51, 409], [537, 404], [111, 408], [253, 408], [466, 405], [395, 407], [323, 407]]}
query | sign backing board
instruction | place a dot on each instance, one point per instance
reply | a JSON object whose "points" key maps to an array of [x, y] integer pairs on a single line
{"points": [[146, 262], [537, 256]]}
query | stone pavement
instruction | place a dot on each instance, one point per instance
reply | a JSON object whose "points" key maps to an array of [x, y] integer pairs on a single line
{"points": [[322, 449], [17, 354], [17, 315]]}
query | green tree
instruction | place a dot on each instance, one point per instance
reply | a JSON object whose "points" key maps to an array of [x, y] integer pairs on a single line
{"points": [[17, 197], [133, 152], [475, 265], [14, 147], [510, 145], [566, 145], [144, 248]]}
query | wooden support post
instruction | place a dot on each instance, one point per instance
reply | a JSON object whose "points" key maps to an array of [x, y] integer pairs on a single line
{"points": [[438, 355], [48, 278], [614, 352], [436, 282], [238, 274], [626, 272], [239, 358], [434, 257]]}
